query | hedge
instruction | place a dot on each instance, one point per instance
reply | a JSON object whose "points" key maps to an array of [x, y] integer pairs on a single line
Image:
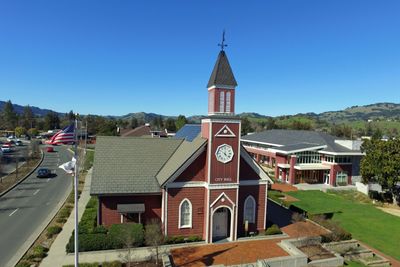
{"points": [[182, 239], [273, 230], [120, 234], [53, 230]]}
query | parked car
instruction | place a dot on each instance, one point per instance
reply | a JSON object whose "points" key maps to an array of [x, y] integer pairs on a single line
{"points": [[6, 148], [18, 143], [50, 149], [43, 173]]}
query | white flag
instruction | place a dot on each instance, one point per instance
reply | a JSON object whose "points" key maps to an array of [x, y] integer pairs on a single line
{"points": [[69, 166]]}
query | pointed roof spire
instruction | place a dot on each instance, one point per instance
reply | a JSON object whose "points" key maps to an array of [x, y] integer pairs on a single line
{"points": [[222, 73]]}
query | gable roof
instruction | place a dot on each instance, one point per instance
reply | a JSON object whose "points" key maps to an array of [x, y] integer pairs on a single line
{"points": [[296, 139], [222, 73], [125, 165], [138, 131]]}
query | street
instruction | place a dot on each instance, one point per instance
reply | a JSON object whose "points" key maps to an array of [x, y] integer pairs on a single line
{"points": [[26, 207]]}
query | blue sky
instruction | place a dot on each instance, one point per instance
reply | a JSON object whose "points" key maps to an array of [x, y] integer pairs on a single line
{"points": [[116, 57]]}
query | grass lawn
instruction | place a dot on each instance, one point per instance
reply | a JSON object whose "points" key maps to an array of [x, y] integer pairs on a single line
{"points": [[363, 220], [354, 264]]}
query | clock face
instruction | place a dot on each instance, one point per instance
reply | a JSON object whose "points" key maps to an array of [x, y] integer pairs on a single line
{"points": [[224, 153]]}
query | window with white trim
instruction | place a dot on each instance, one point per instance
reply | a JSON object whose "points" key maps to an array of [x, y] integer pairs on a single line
{"points": [[185, 214], [228, 101], [249, 210], [341, 178], [221, 101]]}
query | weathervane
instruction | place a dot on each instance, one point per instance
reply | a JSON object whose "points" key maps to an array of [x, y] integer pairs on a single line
{"points": [[222, 45]]}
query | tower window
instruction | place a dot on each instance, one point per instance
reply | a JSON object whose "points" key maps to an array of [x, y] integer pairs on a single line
{"points": [[221, 101], [228, 101]]}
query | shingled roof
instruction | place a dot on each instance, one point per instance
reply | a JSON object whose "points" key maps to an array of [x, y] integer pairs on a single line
{"points": [[126, 165], [222, 73], [296, 139]]}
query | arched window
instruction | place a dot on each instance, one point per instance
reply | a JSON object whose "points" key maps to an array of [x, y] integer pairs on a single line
{"points": [[250, 210], [185, 214]]}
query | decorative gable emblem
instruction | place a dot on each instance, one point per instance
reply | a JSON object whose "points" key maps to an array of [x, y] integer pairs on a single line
{"points": [[225, 132]]}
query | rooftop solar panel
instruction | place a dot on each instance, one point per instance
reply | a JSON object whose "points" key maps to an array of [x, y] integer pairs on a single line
{"points": [[188, 132]]}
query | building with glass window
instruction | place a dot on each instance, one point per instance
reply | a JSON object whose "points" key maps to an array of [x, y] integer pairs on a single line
{"points": [[201, 182], [299, 156]]}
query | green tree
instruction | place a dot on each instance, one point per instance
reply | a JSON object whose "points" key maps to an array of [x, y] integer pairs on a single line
{"points": [[180, 122], [71, 116], [134, 123], [9, 116], [381, 163], [170, 125], [51, 121], [20, 131], [33, 132], [246, 126], [28, 119]]}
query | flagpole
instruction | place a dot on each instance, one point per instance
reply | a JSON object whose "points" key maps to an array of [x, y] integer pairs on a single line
{"points": [[76, 193]]}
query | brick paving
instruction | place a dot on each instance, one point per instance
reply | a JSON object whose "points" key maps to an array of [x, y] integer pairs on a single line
{"points": [[234, 253]]}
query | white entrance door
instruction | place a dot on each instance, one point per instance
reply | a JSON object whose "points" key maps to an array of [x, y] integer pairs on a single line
{"points": [[326, 177], [220, 223]]}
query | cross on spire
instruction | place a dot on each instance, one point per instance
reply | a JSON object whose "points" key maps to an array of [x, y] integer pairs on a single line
{"points": [[222, 44]]}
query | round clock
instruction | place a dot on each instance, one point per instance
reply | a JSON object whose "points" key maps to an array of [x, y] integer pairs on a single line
{"points": [[224, 153]]}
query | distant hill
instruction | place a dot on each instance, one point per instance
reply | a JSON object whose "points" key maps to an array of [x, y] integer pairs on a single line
{"points": [[378, 111], [20, 109]]}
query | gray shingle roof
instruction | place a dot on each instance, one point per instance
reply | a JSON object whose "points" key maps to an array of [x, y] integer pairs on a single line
{"points": [[222, 73], [126, 165], [297, 137]]}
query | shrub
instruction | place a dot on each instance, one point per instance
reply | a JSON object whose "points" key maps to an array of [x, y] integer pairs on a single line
{"points": [[90, 242], [112, 264], [23, 264], [121, 233], [61, 220], [100, 230], [38, 252], [273, 230], [182, 239], [53, 230], [337, 233], [64, 213]]}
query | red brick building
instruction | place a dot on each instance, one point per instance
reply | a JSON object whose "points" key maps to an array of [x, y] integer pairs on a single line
{"points": [[299, 156], [201, 182]]}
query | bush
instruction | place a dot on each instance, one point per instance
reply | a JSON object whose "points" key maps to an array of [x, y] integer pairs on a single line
{"points": [[112, 264], [337, 233], [61, 220], [121, 233], [90, 242], [53, 230], [182, 239], [23, 264], [273, 230], [64, 213], [100, 230], [38, 252]]}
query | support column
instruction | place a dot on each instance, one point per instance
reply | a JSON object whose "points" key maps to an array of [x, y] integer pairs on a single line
{"points": [[292, 170]]}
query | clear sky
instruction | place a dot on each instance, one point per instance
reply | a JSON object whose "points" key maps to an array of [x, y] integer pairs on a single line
{"points": [[119, 56]]}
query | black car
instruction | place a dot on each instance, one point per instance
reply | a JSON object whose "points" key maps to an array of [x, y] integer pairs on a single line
{"points": [[43, 173]]}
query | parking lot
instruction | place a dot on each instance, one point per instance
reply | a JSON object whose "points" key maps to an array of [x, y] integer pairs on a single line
{"points": [[8, 159]]}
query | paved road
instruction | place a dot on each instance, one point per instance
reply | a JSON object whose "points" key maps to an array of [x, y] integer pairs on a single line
{"points": [[25, 208]]}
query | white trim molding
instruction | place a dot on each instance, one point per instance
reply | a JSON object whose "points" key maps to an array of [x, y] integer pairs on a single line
{"points": [[222, 133], [221, 87], [221, 196], [180, 226]]}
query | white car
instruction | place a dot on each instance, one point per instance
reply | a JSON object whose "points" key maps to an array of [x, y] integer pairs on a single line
{"points": [[6, 148]]}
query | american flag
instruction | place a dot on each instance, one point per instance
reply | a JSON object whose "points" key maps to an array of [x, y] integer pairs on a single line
{"points": [[65, 136]]}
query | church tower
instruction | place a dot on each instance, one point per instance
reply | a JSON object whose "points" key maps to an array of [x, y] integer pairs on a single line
{"points": [[222, 130]]}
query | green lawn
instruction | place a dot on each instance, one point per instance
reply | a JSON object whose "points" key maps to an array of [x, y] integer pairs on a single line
{"points": [[364, 221]]}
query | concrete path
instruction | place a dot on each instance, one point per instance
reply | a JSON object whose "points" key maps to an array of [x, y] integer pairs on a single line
{"points": [[324, 187]]}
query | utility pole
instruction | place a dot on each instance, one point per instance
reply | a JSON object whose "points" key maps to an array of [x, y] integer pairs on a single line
{"points": [[76, 183]]}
